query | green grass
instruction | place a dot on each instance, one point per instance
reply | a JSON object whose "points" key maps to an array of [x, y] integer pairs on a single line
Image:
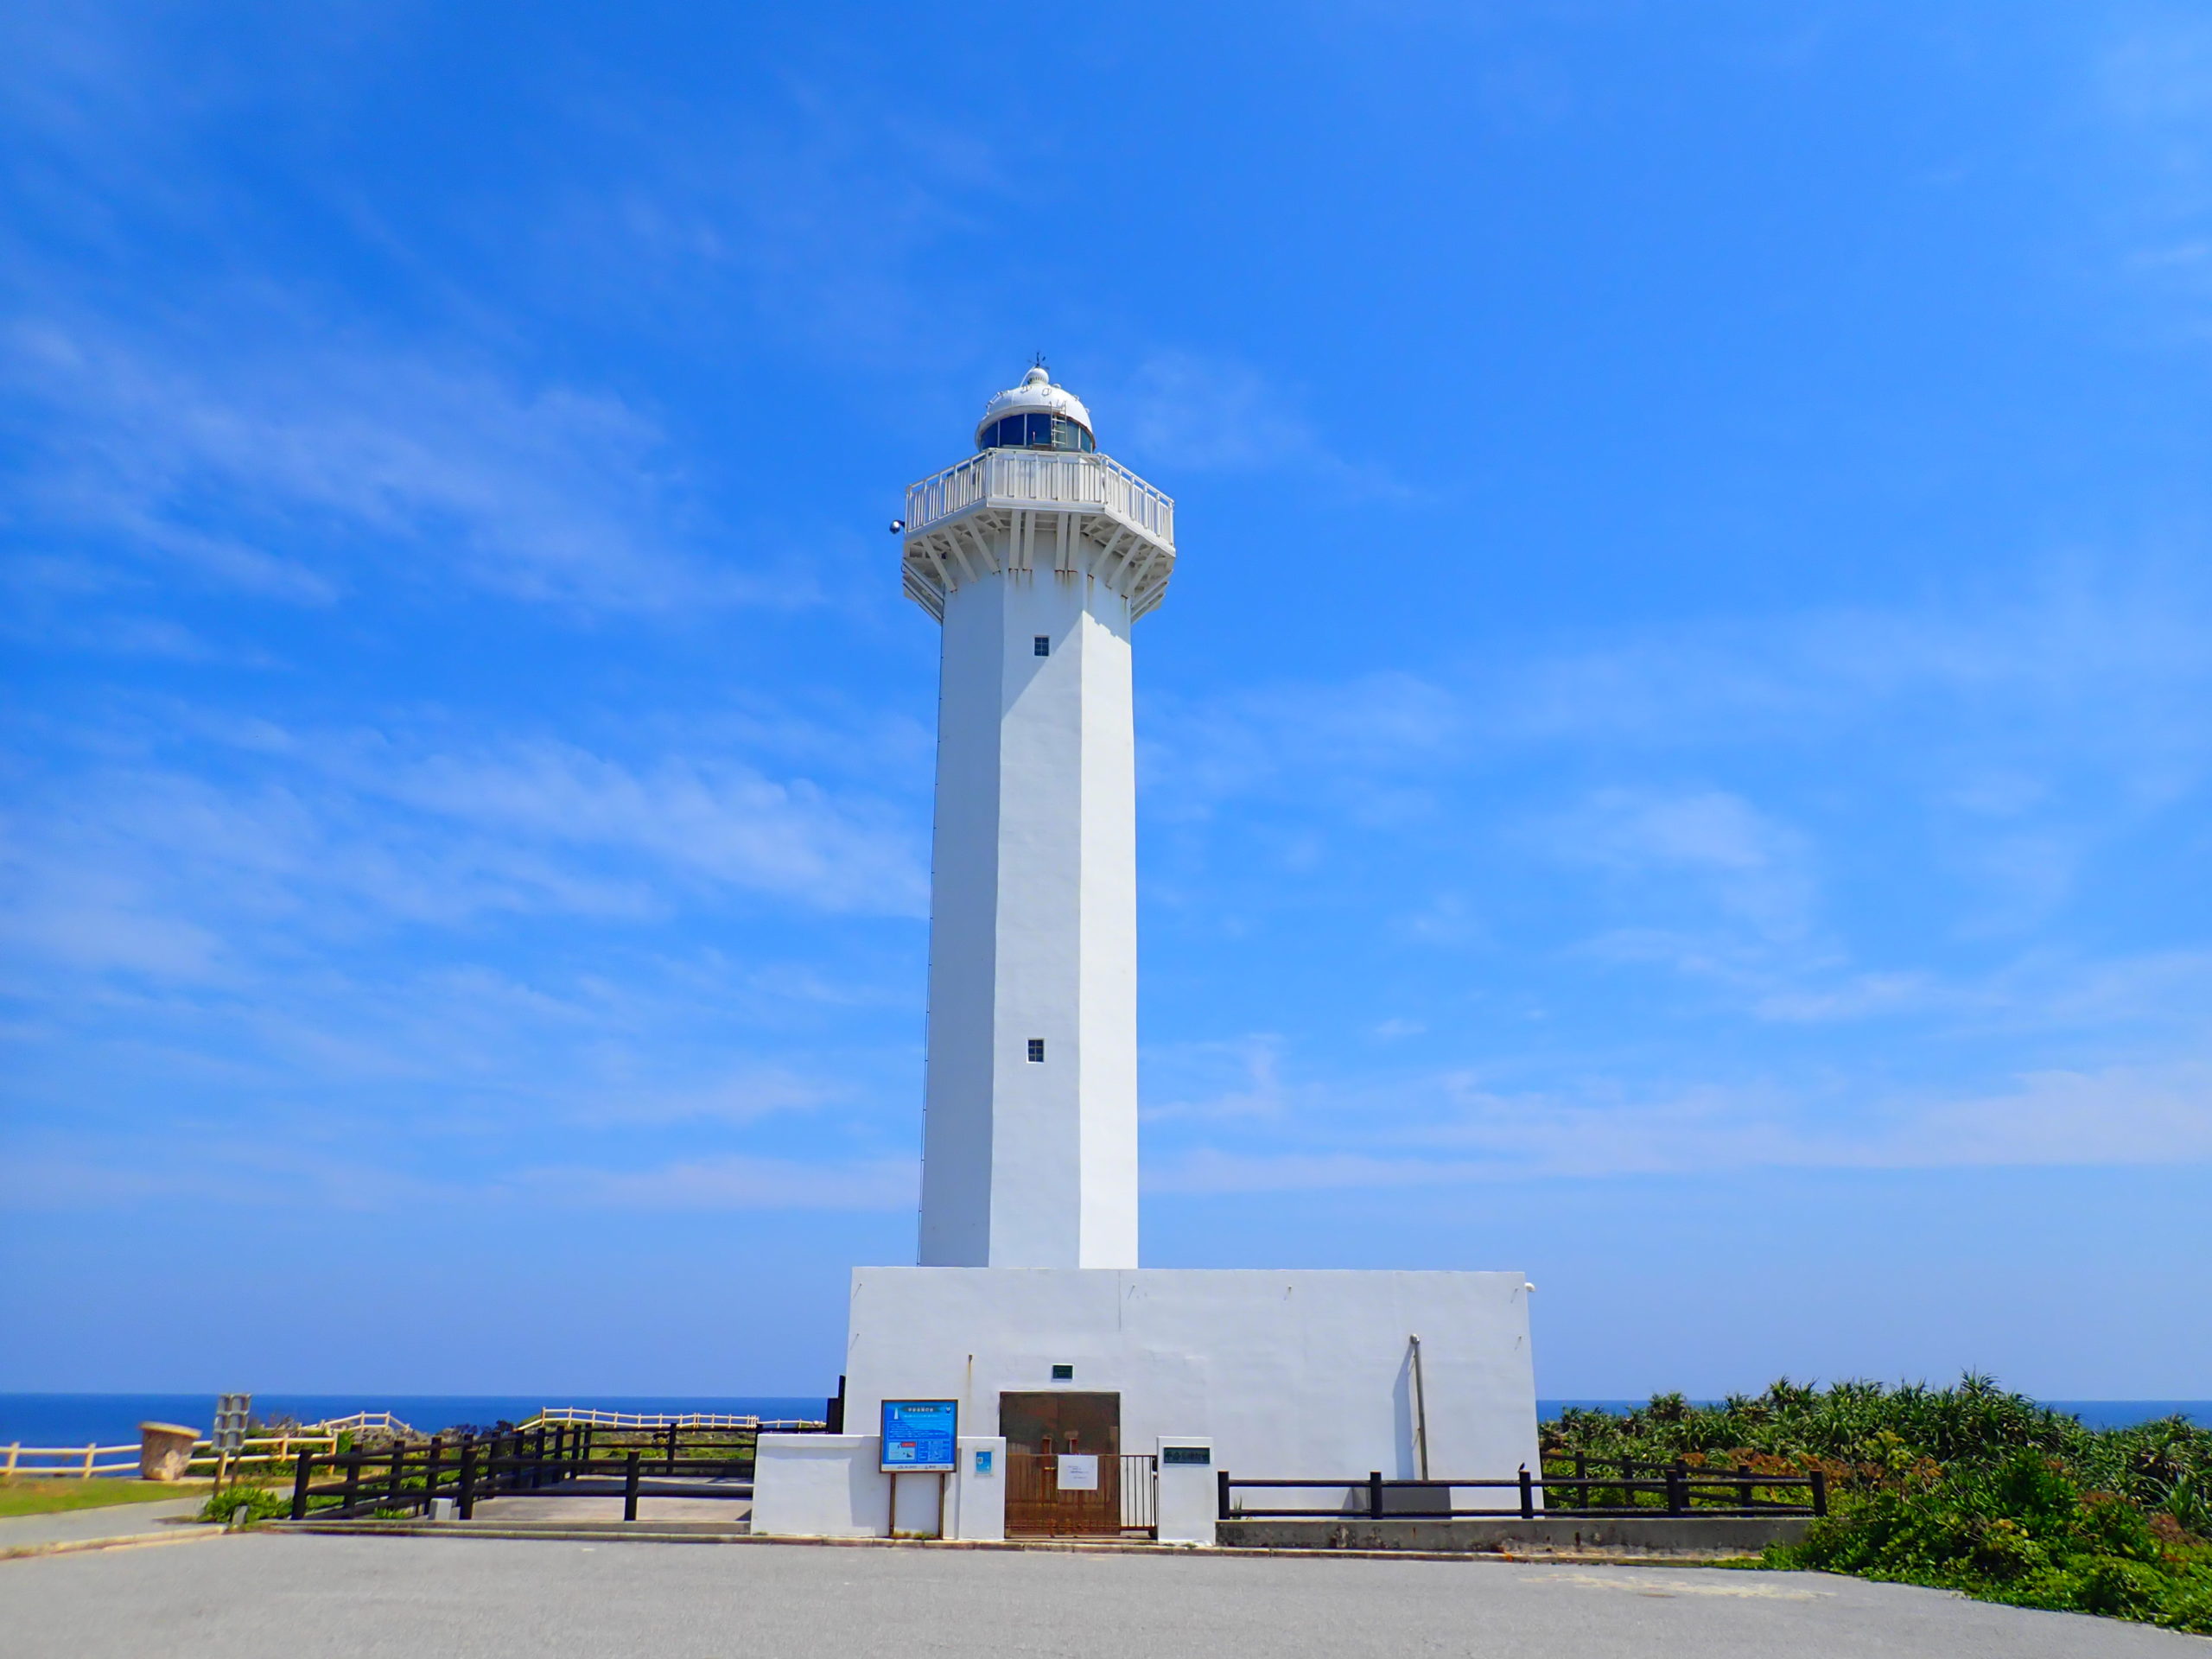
{"points": [[1968, 1488], [54, 1497]]}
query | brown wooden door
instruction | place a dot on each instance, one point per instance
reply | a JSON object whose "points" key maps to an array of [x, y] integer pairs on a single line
{"points": [[1040, 1429]]}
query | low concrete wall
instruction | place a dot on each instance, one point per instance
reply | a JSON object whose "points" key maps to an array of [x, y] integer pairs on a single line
{"points": [[1629, 1535], [821, 1486]]}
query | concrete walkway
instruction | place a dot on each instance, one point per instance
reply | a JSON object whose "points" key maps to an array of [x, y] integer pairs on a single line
{"points": [[170, 1518], [262, 1596]]}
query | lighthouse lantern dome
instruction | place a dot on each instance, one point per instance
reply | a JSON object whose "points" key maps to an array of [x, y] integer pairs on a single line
{"points": [[1036, 414]]}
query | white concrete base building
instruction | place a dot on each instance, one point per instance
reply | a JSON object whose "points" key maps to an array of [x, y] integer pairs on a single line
{"points": [[1077, 1374]]}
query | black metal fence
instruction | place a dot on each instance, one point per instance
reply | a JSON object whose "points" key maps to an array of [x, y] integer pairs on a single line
{"points": [[1668, 1489], [403, 1478]]}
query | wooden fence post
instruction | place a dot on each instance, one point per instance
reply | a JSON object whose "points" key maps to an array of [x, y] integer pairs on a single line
{"points": [[299, 1476], [630, 1487], [1375, 1493], [466, 1508]]}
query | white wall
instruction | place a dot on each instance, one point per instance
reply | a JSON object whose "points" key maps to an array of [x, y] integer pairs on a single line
{"points": [[1186, 1502], [1033, 926], [978, 1495], [833, 1486], [821, 1486], [1289, 1374]]}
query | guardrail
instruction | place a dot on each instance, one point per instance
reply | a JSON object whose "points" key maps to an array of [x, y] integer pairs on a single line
{"points": [[83, 1462], [584, 1414], [572, 1460], [1043, 478], [1677, 1490]]}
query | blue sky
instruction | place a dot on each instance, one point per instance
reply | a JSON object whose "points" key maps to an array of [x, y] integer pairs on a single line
{"points": [[1677, 758]]}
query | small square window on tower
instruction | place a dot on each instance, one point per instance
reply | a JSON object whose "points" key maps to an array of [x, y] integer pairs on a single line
{"points": [[1037, 1049], [1044, 646], [1063, 1373]]}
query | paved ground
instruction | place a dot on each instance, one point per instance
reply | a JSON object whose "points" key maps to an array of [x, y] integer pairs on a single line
{"points": [[731, 1511], [260, 1596], [163, 1518]]}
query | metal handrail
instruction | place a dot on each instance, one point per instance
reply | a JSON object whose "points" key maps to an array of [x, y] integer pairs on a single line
{"points": [[1677, 1489], [1047, 479]]}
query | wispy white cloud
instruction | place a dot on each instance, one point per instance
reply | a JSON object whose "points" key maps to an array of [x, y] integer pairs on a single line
{"points": [[1211, 414], [734, 1182], [1756, 868], [1447, 1131], [191, 870], [330, 460]]}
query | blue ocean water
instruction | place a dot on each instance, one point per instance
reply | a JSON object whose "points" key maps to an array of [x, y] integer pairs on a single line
{"points": [[113, 1418]]}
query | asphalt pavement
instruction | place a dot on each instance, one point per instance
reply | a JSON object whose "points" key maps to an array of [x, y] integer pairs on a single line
{"points": [[262, 1596]]}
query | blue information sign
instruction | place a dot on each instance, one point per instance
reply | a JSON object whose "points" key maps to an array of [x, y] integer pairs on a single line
{"points": [[922, 1435]]}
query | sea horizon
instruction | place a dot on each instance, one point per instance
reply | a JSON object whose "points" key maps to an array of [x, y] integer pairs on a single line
{"points": [[61, 1420]]}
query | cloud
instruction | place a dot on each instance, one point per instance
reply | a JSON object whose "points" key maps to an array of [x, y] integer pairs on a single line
{"points": [[1444, 1130], [734, 1182], [1210, 414], [1754, 866], [327, 461], [201, 866]]}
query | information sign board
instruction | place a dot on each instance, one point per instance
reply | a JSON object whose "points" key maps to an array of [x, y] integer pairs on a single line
{"points": [[1079, 1471], [1199, 1455], [921, 1436]]}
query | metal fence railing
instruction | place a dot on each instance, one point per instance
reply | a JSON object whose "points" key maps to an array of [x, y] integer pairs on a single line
{"points": [[1672, 1489], [400, 1479], [1140, 1493]]}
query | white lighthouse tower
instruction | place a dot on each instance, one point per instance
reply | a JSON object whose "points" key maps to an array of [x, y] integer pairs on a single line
{"points": [[1037, 556], [1028, 1377]]}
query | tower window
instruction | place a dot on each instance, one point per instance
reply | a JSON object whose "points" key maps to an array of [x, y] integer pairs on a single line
{"points": [[1044, 646], [1037, 1049]]}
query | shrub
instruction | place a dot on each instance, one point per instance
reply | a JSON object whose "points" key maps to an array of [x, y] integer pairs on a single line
{"points": [[1968, 1488]]}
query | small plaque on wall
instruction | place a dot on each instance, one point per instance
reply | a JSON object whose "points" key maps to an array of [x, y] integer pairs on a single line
{"points": [[1198, 1454]]}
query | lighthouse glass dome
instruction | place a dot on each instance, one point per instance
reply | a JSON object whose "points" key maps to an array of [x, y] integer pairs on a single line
{"points": [[1035, 430], [1036, 414]]}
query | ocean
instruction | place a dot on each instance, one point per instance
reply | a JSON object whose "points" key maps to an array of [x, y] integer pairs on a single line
{"points": [[113, 1418]]}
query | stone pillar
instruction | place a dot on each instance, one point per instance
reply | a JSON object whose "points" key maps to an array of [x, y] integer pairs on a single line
{"points": [[164, 1450]]}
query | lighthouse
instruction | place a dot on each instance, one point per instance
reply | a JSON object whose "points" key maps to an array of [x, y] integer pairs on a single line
{"points": [[1037, 555], [1027, 1377]]}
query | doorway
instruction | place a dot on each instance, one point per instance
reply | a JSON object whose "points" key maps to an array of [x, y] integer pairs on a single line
{"points": [[1062, 1464]]}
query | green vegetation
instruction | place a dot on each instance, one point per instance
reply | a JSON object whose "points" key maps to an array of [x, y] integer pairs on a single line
{"points": [[53, 1495], [1966, 1488], [261, 1503]]}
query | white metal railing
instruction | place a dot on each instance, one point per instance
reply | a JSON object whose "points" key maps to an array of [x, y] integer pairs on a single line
{"points": [[18, 1461], [78, 1462], [661, 1419], [83, 1462], [363, 1422], [1047, 479]]}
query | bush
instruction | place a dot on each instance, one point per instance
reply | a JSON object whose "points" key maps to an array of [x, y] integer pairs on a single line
{"points": [[263, 1504], [1967, 1488]]}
